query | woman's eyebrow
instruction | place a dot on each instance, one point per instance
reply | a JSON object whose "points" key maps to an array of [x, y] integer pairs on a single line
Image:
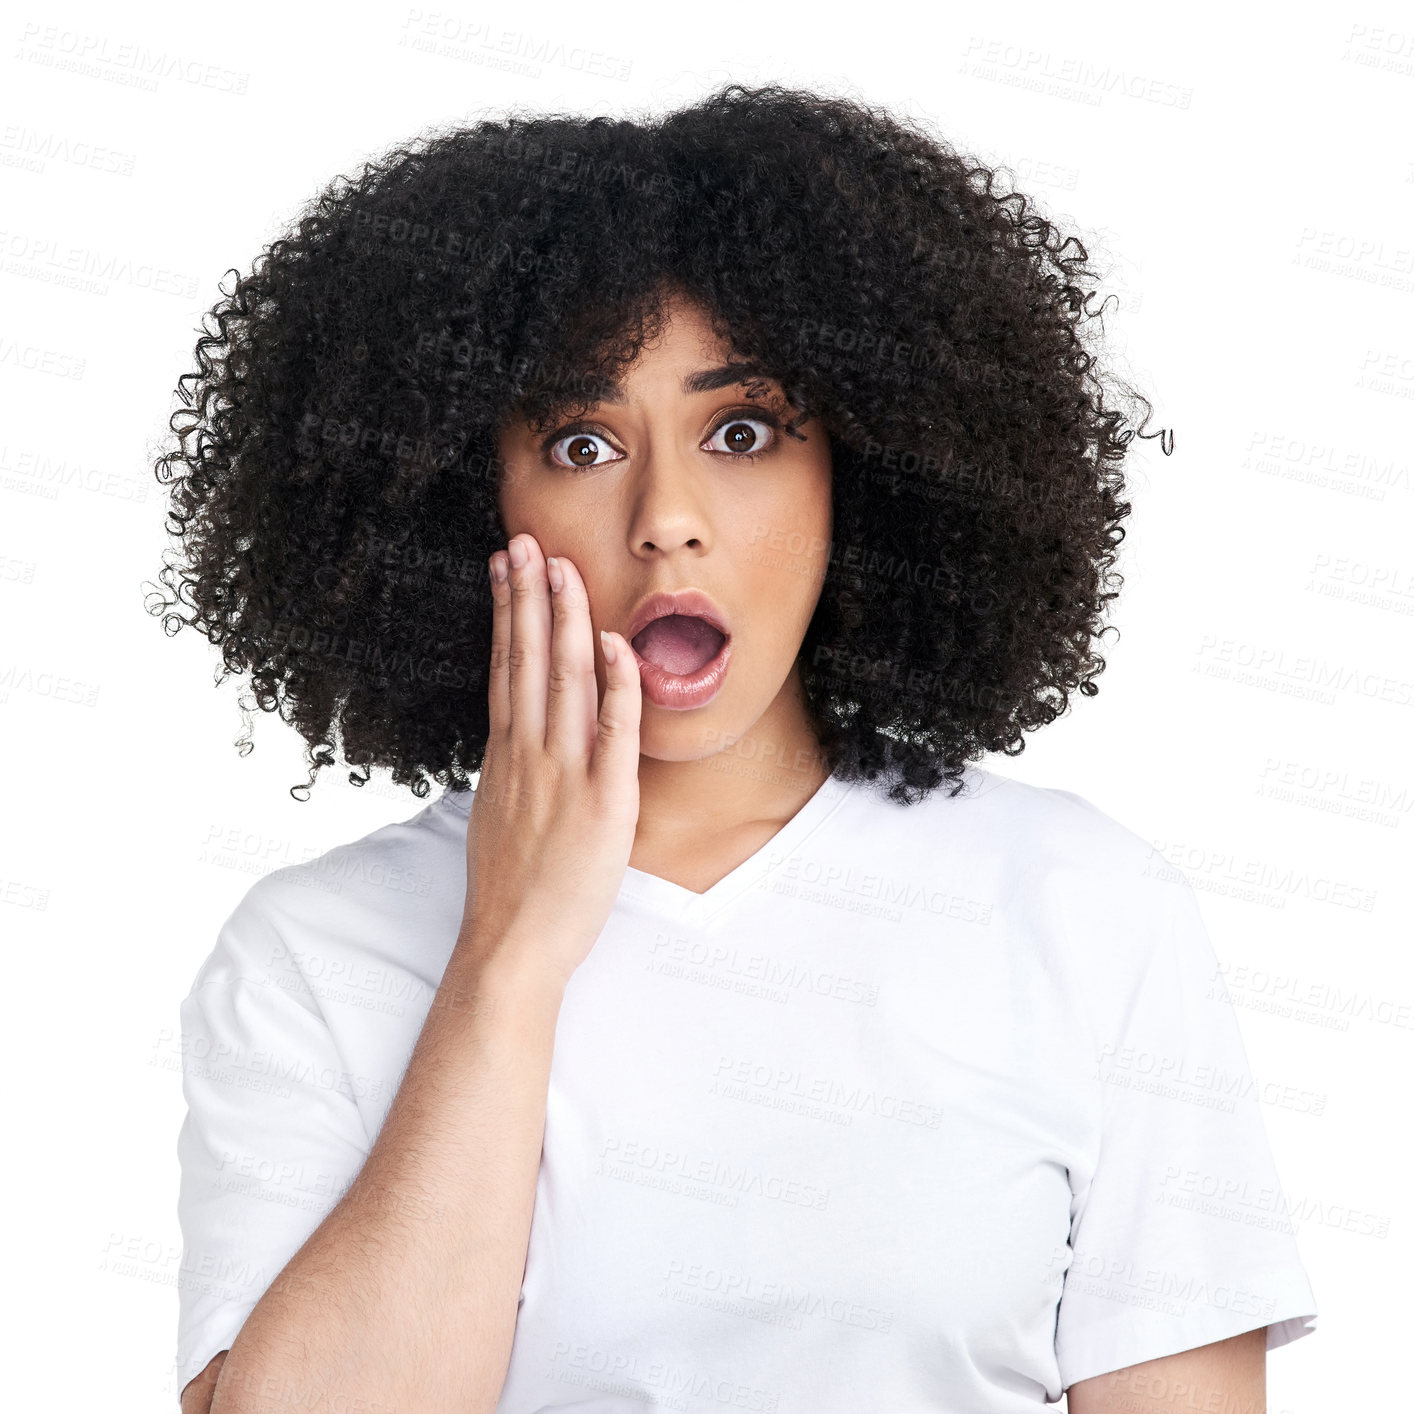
{"points": [[707, 380]]}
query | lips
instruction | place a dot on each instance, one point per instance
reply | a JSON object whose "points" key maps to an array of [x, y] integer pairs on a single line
{"points": [[690, 603], [682, 646]]}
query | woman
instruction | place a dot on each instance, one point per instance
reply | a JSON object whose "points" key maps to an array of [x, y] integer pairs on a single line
{"points": [[720, 488]]}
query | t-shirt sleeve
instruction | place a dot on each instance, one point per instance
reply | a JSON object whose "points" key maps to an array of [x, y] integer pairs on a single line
{"points": [[272, 1135], [1180, 1236]]}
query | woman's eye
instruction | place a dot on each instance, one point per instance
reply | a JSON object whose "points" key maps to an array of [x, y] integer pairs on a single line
{"points": [[737, 436], [581, 450], [740, 437]]}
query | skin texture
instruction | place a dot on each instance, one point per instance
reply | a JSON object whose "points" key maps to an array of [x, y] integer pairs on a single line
{"points": [[667, 502], [197, 1396], [1229, 1375]]}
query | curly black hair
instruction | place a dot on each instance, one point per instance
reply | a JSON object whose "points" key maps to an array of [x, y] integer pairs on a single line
{"points": [[337, 498]]}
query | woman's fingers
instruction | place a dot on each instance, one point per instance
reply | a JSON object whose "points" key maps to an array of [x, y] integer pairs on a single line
{"points": [[498, 687], [616, 748], [529, 654], [544, 696], [573, 700], [555, 816]]}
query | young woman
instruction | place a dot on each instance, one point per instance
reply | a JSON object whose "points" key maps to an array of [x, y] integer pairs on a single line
{"points": [[720, 488]]}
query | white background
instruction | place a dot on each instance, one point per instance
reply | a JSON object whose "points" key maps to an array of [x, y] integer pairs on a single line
{"points": [[1248, 180]]}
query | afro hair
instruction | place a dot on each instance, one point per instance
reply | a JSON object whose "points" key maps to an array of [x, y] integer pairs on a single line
{"points": [[333, 487]]}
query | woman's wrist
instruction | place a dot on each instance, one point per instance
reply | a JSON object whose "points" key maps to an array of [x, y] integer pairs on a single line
{"points": [[504, 968]]}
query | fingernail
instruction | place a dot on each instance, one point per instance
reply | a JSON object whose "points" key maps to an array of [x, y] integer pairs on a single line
{"points": [[498, 568], [607, 643], [518, 553], [557, 579]]}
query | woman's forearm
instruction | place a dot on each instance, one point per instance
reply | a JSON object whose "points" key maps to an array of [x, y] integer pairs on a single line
{"points": [[406, 1295]]}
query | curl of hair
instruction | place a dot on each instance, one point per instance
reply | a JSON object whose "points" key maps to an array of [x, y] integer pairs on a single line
{"points": [[333, 487]]}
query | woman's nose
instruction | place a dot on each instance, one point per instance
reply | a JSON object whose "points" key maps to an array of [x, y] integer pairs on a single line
{"points": [[667, 502]]}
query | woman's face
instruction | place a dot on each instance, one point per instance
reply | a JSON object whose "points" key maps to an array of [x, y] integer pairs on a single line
{"points": [[673, 489]]}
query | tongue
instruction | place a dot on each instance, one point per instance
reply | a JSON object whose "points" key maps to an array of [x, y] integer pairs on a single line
{"points": [[678, 643]]}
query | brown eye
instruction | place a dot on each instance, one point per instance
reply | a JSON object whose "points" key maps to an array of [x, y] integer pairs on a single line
{"points": [[740, 437], [581, 450]]}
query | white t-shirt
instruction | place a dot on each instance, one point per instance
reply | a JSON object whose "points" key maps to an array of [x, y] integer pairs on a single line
{"points": [[921, 1108]]}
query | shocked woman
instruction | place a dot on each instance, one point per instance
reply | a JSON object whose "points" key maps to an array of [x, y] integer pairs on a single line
{"points": [[716, 490]]}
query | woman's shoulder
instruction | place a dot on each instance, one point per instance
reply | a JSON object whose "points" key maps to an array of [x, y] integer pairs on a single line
{"points": [[1069, 823], [1059, 865], [385, 898], [1101, 890], [1033, 825]]}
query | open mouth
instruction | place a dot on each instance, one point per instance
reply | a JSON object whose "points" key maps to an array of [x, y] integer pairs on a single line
{"points": [[679, 644], [682, 660]]}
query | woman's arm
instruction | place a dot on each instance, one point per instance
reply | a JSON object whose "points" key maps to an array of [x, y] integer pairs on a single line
{"points": [[405, 1296], [1228, 1374], [197, 1396]]}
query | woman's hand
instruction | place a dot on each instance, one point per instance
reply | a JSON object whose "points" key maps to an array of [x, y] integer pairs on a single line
{"points": [[556, 808]]}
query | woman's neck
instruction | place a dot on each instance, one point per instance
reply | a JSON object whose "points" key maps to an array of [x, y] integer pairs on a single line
{"points": [[765, 775]]}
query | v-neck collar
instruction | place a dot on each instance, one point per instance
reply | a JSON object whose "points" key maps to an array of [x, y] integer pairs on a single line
{"points": [[662, 896]]}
